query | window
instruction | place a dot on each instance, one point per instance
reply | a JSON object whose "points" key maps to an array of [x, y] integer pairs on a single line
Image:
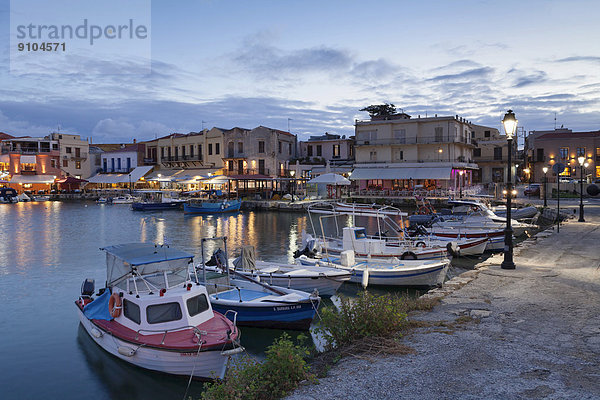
{"points": [[309, 151], [497, 174], [119, 164], [439, 134], [77, 164], [68, 150], [54, 146], [77, 152], [176, 152], [290, 148], [580, 152], [373, 156], [597, 153], [105, 167], [210, 149], [566, 172], [319, 150], [131, 311], [240, 167], [169, 152], [563, 153], [230, 149], [497, 153], [128, 163], [230, 165], [540, 155], [398, 155], [197, 304], [597, 171], [162, 152], [52, 163], [183, 152], [200, 156], [158, 313], [476, 152], [472, 134], [217, 148], [279, 144], [366, 136], [112, 164], [65, 163], [261, 146], [486, 133], [336, 151], [240, 147], [191, 151], [400, 136], [261, 167]]}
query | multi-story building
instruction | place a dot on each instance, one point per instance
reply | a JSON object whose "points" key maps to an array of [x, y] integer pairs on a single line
{"points": [[261, 150], [334, 153], [400, 152], [546, 148], [490, 154], [123, 160], [32, 163], [74, 158]]}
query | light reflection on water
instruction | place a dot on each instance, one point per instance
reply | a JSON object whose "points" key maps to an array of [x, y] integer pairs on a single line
{"points": [[48, 249]]}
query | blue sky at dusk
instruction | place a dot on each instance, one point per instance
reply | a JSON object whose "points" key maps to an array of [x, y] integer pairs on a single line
{"points": [[250, 63]]}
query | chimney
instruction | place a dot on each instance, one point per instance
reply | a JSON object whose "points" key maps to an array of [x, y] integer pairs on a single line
{"points": [[134, 141]]}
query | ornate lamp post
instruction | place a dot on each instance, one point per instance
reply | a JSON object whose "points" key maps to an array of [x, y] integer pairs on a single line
{"points": [[460, 184], [545, 169], [510, 127], [528, 172], [293, 182], [581, 160]]}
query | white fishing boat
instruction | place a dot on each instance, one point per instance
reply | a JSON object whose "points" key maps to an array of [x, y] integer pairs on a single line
{"points": [[306, 278], [124, 199], [390, 272], [153, 316]]}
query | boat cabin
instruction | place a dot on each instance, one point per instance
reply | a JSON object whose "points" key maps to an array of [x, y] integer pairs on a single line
{"points": [[356, 239]]}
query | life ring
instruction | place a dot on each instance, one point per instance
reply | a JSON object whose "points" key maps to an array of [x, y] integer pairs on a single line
{"points": [[408, 255], [421, 244], [115, 305]]}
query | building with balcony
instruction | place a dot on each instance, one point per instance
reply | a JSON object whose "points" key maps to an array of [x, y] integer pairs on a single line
{"points": [[546, 148], [397, 152], [491, 155], [123, 160], [262, 151], [31, 163], [74, 155], [332, 153]]}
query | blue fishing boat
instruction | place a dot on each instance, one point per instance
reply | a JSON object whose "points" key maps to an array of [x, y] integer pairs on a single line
{"points": [[157, 201], [255, 303], [212, 207]]}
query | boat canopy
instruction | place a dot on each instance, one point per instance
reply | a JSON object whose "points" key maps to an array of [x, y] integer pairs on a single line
{"points": [[129, 260]]}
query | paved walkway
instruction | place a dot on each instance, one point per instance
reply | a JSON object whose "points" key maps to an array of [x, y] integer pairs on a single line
{"points": [[535, 333]]}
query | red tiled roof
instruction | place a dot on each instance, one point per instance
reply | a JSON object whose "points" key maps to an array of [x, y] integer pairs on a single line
{"points": [[5, 136]]}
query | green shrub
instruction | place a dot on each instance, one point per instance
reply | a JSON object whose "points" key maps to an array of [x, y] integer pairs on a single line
{"points": [[283, 369], [365, 316]]}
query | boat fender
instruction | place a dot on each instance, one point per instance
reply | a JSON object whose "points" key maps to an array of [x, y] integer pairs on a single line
{"points": [[408, 255], [126, 351], [115, 305], [231, 352], [365, 278], [222, 206], [96, 333], [452, 249], [421, 244]]}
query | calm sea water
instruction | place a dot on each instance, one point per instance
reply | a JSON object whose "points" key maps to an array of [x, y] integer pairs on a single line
{"points": [[48, 249]]}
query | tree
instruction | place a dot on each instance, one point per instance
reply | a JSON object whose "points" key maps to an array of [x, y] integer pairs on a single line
{"points": [[379, 110]]}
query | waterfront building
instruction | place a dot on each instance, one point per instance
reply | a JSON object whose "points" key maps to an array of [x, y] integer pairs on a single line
{"points": [[74, 159], [546, 148], [124, 159], [491, 155], [31, 163], [326, 153], [398, 152]]}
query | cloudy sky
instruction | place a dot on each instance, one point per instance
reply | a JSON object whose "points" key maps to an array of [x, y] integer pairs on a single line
{"points": [[249, 63]]}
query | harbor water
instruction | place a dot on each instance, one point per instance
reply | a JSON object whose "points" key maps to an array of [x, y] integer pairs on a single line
{"points": [[47, 249]]}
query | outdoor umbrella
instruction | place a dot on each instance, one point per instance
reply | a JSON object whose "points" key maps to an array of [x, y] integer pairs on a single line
{"points": [[330, 179]]}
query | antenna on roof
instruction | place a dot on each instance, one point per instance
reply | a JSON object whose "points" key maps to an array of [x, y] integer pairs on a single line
{"points": [[554, 121], [289, 119], [203, 122]]}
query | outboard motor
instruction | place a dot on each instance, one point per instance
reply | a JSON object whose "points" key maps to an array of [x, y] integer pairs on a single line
{"points": [[310, 250], [88, 287], [453, 249], [218, 259]]}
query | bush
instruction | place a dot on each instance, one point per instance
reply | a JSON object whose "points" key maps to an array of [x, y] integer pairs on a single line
{"points": [[365, 316], [283, 369]]}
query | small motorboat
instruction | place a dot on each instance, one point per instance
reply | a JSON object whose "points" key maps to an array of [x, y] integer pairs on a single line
{"points": [[292, 276], [8, 195], [388, 272], [255, 303], [157, 201], [152, 315], [125, 199], [41, 198], [211, 207], [104, 200]]}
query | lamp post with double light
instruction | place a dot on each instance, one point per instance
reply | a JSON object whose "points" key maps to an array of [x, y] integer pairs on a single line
{"points": [[510, 127], [581, 160], [545, 169]]}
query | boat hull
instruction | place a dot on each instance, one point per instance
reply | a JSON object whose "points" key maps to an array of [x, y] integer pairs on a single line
{"points": [[297, 316], [155, 206], [208, 364], [213, 208], [325, 285]]}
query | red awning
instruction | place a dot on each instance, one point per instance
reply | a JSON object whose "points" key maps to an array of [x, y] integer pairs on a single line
{"points": [[70, 180]]}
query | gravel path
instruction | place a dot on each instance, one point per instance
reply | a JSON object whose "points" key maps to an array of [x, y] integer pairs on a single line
{"points": [[535, 332]]}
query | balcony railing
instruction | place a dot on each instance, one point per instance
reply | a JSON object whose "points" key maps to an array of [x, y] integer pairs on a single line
{"points": [[414, 140], [247, 171], [180, 158]]}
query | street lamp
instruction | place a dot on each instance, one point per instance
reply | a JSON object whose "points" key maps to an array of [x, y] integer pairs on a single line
{"points": [[292, 173], [545, 169], [527, 171], [581, 160], [461, 172], [510, 126]]}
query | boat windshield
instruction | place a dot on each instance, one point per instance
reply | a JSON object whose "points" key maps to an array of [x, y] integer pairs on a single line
{"points": [[154, 282]]}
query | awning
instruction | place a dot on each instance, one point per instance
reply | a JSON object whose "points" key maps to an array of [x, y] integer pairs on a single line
{"points": [[27, 160], [32, 179], [216, 180], [133, 176], [184, 176], [401, 173], [323, 170]]}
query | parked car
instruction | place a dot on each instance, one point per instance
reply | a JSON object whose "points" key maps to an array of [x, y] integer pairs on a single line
{"points": [[532, 190]]}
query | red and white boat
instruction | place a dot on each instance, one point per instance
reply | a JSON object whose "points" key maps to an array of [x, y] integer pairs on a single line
{"points": [[153, 316]]}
